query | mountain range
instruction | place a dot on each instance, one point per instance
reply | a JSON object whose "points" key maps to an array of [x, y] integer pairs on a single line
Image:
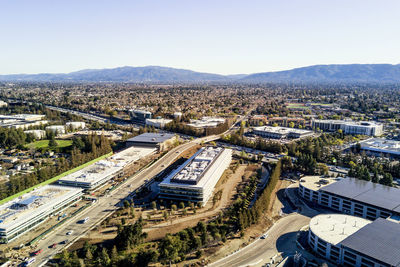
{"points": [[375, 73]]}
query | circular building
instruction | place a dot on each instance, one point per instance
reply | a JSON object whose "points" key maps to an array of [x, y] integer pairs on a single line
{"points": [[326, 231]]}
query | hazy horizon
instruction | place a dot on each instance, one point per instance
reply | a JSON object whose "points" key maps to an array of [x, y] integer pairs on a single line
{"points": [[224, 37]]}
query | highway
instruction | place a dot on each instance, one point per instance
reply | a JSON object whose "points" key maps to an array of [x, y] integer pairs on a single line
{"points": [[105, 206]]}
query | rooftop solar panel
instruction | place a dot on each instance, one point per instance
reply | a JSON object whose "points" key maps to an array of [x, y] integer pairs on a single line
{"points": [[349, 187], [151, 138], [379, 240], [370, 193]]}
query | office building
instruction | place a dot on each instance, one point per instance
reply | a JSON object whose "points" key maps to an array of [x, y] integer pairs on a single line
{"points": [[206, 122], [157, 123], [139, 115], [28, 211], [159, 141], [97, 174], [352, 196], [56, 129], [195, 180], [75, 125], [381, 146], [22, 121], [351, 241], [349, 127], [38, 134], [281, 132]]}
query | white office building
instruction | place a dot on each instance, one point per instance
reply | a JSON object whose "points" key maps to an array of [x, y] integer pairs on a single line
{"points": [[75, 125], [26, 212], [206, 122], [102, 171], [56, 129], [349, 127], [378, 146], [158, 123], [281, 132], [195, 180]]}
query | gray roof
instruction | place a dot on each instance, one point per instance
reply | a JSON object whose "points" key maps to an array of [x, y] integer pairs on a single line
{"points": [[153, 138], [367, 192], [379, 240]]}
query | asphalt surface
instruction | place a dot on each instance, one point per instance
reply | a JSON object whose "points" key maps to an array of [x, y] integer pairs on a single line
{"points": [[104, 206], [281, 239]]}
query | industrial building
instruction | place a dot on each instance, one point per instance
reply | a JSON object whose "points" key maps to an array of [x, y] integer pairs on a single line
{"points": [[351, 241], [206, 122], [26, 212], [381, 146], [195, 180], [349, 127], [352, 196], [281, 132], [97, 174], [138, 115], [159, 141], [158, 123]]}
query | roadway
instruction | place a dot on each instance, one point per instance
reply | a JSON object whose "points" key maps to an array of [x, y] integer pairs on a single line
{"points": [[104, 206], [281, 238]]}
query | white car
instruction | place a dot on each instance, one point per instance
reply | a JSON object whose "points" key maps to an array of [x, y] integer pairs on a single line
{"points": [[264, 236], [70, 232]]}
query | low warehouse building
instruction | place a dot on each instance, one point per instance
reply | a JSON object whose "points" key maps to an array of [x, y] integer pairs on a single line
{"points": [[154, 140], [28, 211], [195, 180], [97, 174]]}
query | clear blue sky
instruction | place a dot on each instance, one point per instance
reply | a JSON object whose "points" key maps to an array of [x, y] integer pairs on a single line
{"points": [[219, 36]]}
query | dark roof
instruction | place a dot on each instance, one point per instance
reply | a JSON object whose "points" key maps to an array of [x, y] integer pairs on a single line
{"points": [[153, 138], [28, 201], [379, 240], [367, 192]]}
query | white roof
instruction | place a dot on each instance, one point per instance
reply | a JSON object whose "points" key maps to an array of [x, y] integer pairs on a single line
{"points": [[103, 168], [193, 168], [334, 228], [316, 182], [26, 207], [281, 130], [381, 144]]}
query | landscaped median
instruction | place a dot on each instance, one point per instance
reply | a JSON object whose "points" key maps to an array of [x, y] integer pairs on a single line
{"points": [[52, 180]]}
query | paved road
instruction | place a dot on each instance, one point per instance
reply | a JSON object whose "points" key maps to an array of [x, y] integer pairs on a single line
{"points": [[104, 206], [281, 239]]}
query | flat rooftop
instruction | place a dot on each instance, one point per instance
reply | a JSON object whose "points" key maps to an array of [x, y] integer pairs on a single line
{"points": [[191, 172], [28, 205], [370, 193], [381, 145], [107, 167], [379, 240], [351, 122], [281, 130], [334, 228], [153, 138], [316, 182]]}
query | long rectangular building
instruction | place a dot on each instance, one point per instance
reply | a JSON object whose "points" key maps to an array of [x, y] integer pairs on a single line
{"points": [[28, 211], [281, 132], [378, 146], [102, 171], [349, 127], [195, 180]]}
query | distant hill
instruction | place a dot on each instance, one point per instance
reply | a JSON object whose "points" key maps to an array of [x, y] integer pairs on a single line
{"points": [[149, 74], [331, 73], [380, 73]]}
